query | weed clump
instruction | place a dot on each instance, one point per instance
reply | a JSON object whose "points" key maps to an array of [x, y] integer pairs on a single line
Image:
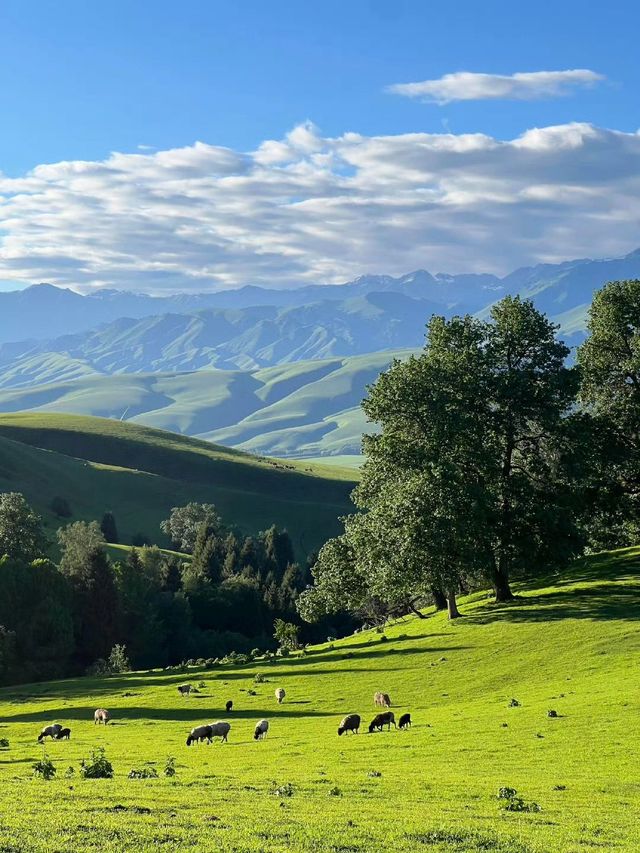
{"points": [[146, 772], [170, 767], [4, 743], [513, 703], [45, 768], [97, 766], [514, 803], [284, 790]]}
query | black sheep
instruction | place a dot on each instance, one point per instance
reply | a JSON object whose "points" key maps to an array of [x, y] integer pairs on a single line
{"points": [[229, 705], [405, 721], [381, 720]]}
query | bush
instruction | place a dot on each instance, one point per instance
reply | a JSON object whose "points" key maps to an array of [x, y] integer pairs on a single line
{"points": [[170, 767], [4, 743], [118, 661], [259, 679], [146, 772], [96, 767], [335, 792], [384, 638], [256, 653], [44, 768], [513, 703]]}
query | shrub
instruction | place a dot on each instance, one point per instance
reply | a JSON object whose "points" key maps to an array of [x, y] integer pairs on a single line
{"points": [[118, 661], [96, 767], [286, 634], [256, 653], [384, 638], [552, 713], [4, 743], [513, 703], [44, 768], [251, 693], [146, 772], [170, 767], [202, 685], [335, 792], [259, 679]]}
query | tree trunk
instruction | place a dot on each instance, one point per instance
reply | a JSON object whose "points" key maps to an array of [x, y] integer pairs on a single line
{"points": [[501, 586], [415, 611], [439, 598], [452, 606]]}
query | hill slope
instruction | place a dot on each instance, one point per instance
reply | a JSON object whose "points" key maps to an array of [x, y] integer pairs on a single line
{"points": [[140, 473], [569, 644], [304, 409]]}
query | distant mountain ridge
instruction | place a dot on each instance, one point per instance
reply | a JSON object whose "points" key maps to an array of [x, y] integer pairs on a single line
{"points": [[44, 312], [252, 328]]}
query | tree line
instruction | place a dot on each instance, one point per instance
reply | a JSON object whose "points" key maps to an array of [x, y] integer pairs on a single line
{"points": [[65, 616], [497, 456]]}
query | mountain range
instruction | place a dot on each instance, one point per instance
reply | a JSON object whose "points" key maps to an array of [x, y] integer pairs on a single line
{"points": [[272, 371]]}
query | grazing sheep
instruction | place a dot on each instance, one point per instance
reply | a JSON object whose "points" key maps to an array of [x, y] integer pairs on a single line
{"points": [[382, 699], [64, 734], [220, 729], [198, 734], [229, 706], [184, 689], [280, 694], [381, 720], [101, 716], [51, 731], [405, 721], [351, 723], [261, 730]]}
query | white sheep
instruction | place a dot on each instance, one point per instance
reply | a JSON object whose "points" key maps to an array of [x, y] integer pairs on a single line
{"points": [[101, 716], [261, 730], [220, 729], [280, 694], [51, 731]]}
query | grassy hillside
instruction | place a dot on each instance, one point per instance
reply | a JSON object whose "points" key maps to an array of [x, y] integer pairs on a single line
{"points": [[140, 473], [569, 644], [310, 408]]}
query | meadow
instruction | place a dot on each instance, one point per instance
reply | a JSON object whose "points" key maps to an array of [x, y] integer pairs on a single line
{"points": [[569, 643], [139, 473]]}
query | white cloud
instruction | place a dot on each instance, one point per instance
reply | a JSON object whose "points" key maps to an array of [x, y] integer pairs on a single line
{"points": [[524, 86], [313, 208]]}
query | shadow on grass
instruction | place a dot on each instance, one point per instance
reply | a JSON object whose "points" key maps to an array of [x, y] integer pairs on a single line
{"points": [[601, 602], [140, 715]]}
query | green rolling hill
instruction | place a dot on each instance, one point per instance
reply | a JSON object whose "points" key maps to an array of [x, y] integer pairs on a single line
{"points": [[309, 408], [140, 473], [569, 644]]}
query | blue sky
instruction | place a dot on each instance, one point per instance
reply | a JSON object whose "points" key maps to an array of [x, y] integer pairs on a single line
{"points": [[80, 80]]}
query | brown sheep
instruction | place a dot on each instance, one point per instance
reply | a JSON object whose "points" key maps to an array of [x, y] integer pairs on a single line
{"points": [[382, 700], [101, 716]]}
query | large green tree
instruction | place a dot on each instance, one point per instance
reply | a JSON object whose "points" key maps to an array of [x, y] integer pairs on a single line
{"points": [[185, 522], [467, 474], [95, 596], [610, 389]]}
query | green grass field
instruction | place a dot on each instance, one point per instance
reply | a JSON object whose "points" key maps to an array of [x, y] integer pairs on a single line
{"points": [[140, 473], [569, 643]]}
